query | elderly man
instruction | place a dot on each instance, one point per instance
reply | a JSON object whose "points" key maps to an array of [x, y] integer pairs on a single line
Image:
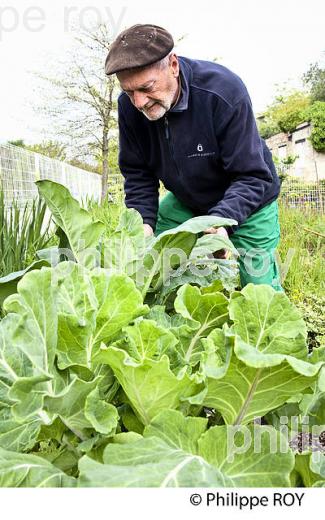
{"points": [[190, 124]]}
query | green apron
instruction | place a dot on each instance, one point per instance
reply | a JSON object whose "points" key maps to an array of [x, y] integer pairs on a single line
{"points": [[256, 239]]}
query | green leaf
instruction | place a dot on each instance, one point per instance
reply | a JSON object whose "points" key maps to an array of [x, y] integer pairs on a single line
{"points": [[181, 328], [19, 470], [216, 356], [35, 302], [51, 255], [206, 311], [269, 363], [199, 224], [313, 406], [70, 405], [266, 320], [255, 466], [77, 307], [227, 272], [171, 248], [303, 468], [62, 312], [180, 452], [126, 437], [246, 392], [146, 340], [26, 373], [82, 232], [208, 244], [165, 255], [129, 419], [150, 386], [102, 416], [317, 463], [92, 308], [201, 268], [119, 303], [148, 463], [8, 284], [28, 336], [62, 457], [16, 435], [124, 248]]}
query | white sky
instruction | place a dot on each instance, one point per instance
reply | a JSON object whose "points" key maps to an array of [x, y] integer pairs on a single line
{"points": [[264, 42]]}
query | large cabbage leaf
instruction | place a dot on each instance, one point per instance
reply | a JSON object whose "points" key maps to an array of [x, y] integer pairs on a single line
{"points": [[81, 232], [269, 362], [142, 367], [18, 470], [93, 306], [60, 317], [173, 247], [180, 452], [206, 312]]}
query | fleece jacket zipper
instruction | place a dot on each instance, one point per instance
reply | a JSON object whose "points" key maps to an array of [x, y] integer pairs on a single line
{"points": [[170, 142]]}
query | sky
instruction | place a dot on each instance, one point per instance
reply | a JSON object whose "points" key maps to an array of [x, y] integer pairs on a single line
{"points": [[267, 43]]}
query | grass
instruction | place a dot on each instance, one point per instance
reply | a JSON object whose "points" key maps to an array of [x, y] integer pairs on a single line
{"points": [[305, 279], [304, 252]]}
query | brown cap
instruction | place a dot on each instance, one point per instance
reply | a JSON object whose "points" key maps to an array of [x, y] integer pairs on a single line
{"points": [[138, 46]]}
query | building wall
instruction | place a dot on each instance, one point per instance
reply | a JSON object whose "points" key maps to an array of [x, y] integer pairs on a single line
{"points": [[310, 164]]}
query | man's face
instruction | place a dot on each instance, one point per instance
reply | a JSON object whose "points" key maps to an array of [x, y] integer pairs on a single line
{"points": [[153, 90]]}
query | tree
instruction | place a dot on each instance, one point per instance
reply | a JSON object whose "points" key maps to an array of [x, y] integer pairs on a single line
{"points": [[112, 158], [316, 115], [18, 142], [285, 113], [52, 149], [82, 103], [268, 128], [314, 79]]}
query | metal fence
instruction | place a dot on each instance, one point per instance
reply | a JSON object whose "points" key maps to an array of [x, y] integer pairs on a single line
{"points": [[20, 168], [294, 193], [303, 195]]}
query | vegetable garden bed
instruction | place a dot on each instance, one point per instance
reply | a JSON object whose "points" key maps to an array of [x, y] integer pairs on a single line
{"points": [[127, 361]]}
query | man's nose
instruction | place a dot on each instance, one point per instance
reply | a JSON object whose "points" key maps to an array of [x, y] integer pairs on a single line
{"points": [[140, 99]]}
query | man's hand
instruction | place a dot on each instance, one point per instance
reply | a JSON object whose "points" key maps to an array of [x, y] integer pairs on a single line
{"points": [[148, 231], [223, 253]]}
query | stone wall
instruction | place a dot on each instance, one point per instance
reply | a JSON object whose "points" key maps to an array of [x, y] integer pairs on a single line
{"points": [[310, 164]]}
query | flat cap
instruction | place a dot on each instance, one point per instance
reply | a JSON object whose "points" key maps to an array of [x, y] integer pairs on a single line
{"points": [[138, 46]]}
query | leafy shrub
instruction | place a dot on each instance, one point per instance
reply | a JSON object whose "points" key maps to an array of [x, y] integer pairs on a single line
{"points": [[268, 128]]}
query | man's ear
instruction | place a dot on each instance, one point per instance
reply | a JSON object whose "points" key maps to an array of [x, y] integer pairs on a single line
{"points": [[174, 65]]}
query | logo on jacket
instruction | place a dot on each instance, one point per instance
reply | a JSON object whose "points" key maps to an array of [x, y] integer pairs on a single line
{"points": [[200, 153]]}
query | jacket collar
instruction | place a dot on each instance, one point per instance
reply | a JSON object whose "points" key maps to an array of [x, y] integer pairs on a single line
{"points": [[186, 76]]}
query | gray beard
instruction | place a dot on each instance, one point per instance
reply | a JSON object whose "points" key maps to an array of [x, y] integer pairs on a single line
{"points": [[165, 107]]}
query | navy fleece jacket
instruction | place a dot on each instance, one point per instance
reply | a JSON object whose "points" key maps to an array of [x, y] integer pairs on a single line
{"points": [[206, 149]]}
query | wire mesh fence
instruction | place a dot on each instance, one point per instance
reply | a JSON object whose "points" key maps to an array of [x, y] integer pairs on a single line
{"points": [[19, 169], [294, 193], [305, 196]]}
